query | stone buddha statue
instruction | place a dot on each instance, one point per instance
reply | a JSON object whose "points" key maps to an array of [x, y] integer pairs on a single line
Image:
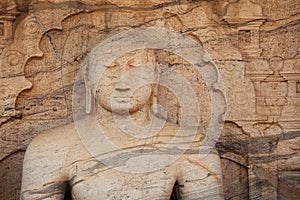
{"points": [[58, 159]]}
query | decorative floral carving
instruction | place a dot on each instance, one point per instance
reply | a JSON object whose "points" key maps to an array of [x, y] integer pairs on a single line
{"points": [[25, 46]]}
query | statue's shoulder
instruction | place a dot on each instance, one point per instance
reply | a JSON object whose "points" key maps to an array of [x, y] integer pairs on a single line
{"points": [[45, 159], [55, 138]]}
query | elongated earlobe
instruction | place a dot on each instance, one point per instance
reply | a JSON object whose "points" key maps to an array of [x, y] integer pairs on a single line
{"points": [[154, 98], [89, 101]]}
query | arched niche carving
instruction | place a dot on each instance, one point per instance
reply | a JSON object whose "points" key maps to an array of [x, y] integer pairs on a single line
{"points": [[43, 16], [25, 46]]}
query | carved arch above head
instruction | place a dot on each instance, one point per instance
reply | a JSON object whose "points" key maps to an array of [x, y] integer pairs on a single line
{"points": [[43, 16]]}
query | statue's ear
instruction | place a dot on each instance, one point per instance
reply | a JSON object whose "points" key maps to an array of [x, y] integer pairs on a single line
{"points": [[88, 89], [89, 99]]}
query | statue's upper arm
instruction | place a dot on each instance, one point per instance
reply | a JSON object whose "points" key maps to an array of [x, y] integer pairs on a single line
{"points": [[201, 178], [43, 169]]}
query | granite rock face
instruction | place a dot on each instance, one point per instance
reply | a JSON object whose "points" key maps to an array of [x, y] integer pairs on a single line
{"points": [[254, 44]]}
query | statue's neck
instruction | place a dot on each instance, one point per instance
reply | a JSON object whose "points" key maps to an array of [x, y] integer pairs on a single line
{"points": [[109, 119], [121, 130]]}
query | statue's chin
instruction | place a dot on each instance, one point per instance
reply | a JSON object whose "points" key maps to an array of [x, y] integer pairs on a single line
{"points": [[121, 109]]}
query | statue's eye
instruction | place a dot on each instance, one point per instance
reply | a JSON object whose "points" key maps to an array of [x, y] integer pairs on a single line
{"points": [[113, 65], [132, 66], [133, 63], [112, 77]]}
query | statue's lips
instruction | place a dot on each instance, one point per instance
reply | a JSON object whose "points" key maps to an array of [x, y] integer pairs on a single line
{"points": [[122, 99]]}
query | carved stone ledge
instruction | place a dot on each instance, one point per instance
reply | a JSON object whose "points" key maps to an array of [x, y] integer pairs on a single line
{"points": [[246, 17], [119, 3], [8, 13]]}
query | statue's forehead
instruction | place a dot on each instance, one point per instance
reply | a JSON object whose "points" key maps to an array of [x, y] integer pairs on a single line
{"points": [[140, 56]]}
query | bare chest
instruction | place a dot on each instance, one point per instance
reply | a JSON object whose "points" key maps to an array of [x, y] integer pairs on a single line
{"points": [[115, 185]]}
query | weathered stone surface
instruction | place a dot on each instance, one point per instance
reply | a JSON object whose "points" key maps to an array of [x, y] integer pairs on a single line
{"points": [[255, 45], [237, 176], [11, 173]]}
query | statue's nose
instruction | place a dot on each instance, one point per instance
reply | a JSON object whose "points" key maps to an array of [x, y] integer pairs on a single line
{"points": [[121, 86]]}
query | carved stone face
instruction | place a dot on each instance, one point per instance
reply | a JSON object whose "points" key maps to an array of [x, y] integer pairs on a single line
{"points": [[126, 85]]}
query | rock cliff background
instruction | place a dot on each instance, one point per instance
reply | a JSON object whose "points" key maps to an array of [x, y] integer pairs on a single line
{"points": [[255, 45]]}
